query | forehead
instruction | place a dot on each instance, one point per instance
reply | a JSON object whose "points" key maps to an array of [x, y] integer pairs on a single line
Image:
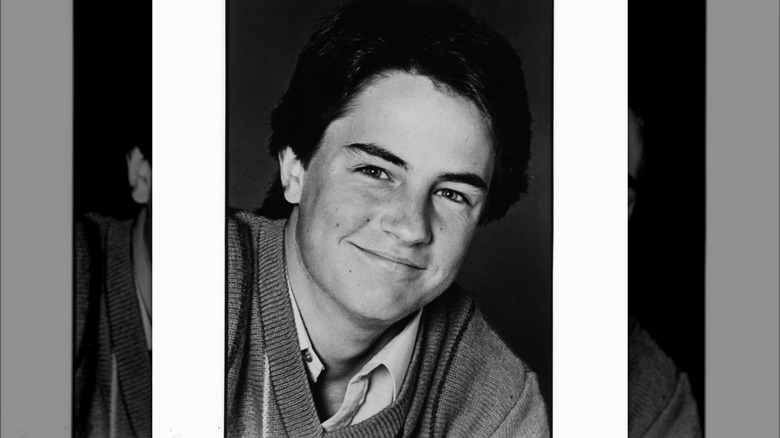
{"points": [[421, 121]]}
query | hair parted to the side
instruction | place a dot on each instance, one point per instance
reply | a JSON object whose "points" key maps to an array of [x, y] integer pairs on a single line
{"points": [[366, 38]]}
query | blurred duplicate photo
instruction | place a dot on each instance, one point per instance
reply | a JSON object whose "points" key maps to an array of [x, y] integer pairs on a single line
{"points": [[666, 151], [112, 287], [389, 232]]}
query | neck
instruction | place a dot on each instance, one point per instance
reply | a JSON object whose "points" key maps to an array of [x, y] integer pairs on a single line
{"points": [[343, 341]]}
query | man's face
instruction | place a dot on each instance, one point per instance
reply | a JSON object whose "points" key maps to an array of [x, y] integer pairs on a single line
{"points": [[391, 200]]}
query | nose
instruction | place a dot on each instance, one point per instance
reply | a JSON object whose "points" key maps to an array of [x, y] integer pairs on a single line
{"points": [[408, 221]]}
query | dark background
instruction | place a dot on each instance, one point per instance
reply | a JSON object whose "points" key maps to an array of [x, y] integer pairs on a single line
{"points": [[666, 77], [112, 86], [509, 267]]}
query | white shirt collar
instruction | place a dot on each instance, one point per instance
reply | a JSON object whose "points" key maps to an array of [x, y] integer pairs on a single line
{"points": [[314, 366], [397, 354], [142, 277]]}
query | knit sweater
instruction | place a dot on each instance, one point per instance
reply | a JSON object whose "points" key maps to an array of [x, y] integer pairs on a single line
{"points": [[109, 335], [660, 402], [462, 380]]}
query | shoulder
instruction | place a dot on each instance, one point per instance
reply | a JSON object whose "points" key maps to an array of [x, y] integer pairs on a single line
{"points": [[102, 222], [478, 346], [255, 248], [245, 227], [251, 219], [660, 402], [497, 392], [91, 231], [249, 234], [91, 228], [244, 217], [90, 244]]}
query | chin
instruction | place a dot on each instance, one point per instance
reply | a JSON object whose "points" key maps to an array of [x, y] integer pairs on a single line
{"points": [[392, 305], [385, 306]]}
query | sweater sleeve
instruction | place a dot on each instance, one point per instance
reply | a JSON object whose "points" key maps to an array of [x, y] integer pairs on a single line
{"points": [[660, 402], [527, 418], [493, 393], [679, 418]]}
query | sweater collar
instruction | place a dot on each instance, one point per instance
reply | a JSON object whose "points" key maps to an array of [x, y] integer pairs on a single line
{"points": [[134, 368]]}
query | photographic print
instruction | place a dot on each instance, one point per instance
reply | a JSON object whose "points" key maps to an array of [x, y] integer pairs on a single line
{"points": [[389, 233]]}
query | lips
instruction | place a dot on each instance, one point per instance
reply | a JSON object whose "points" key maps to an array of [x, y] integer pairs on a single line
{"points": [[394, 261]]}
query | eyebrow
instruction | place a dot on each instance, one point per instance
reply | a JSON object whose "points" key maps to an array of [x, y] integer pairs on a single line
{"points": [[375, 150], [379, 152], [469, 178]]}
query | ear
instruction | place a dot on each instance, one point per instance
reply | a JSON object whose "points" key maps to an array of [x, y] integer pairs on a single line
{"points": [[139, 175], [292, 174]]}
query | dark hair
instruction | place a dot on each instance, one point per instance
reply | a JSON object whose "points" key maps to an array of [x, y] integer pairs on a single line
{"points": [[139, 135], [365, 38]]}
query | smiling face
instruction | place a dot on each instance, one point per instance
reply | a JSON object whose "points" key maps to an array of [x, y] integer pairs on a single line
{"points": [[390, 201]]}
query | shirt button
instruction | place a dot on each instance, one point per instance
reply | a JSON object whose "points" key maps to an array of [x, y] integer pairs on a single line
{"points": [[307, 355]]}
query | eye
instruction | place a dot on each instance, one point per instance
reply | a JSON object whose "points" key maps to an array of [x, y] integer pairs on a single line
{"points": [[374, 172], [453, 196]]}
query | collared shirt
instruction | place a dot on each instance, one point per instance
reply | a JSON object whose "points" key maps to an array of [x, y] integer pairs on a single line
{"points": [[143, 280], [376, 385]]}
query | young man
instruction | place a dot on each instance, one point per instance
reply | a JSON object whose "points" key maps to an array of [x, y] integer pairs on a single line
{"points": [[404, 128]]}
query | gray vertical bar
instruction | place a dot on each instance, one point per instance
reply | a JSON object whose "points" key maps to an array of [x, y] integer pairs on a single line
{"points": [[36, 194], [742, 218]]}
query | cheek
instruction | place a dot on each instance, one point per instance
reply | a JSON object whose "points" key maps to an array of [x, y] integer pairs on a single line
{"points": [[453, 238], [338, 206], [458, 225]]}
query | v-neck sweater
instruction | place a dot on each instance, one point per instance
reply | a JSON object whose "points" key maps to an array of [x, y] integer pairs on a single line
{"points": [[462, 380], [112, 368]]}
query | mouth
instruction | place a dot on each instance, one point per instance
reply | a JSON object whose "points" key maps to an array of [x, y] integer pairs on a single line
{"points": [[393, 261]]}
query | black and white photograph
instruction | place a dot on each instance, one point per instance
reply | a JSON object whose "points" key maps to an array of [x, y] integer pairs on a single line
{"points": [[389, 233], [112, 223]]}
